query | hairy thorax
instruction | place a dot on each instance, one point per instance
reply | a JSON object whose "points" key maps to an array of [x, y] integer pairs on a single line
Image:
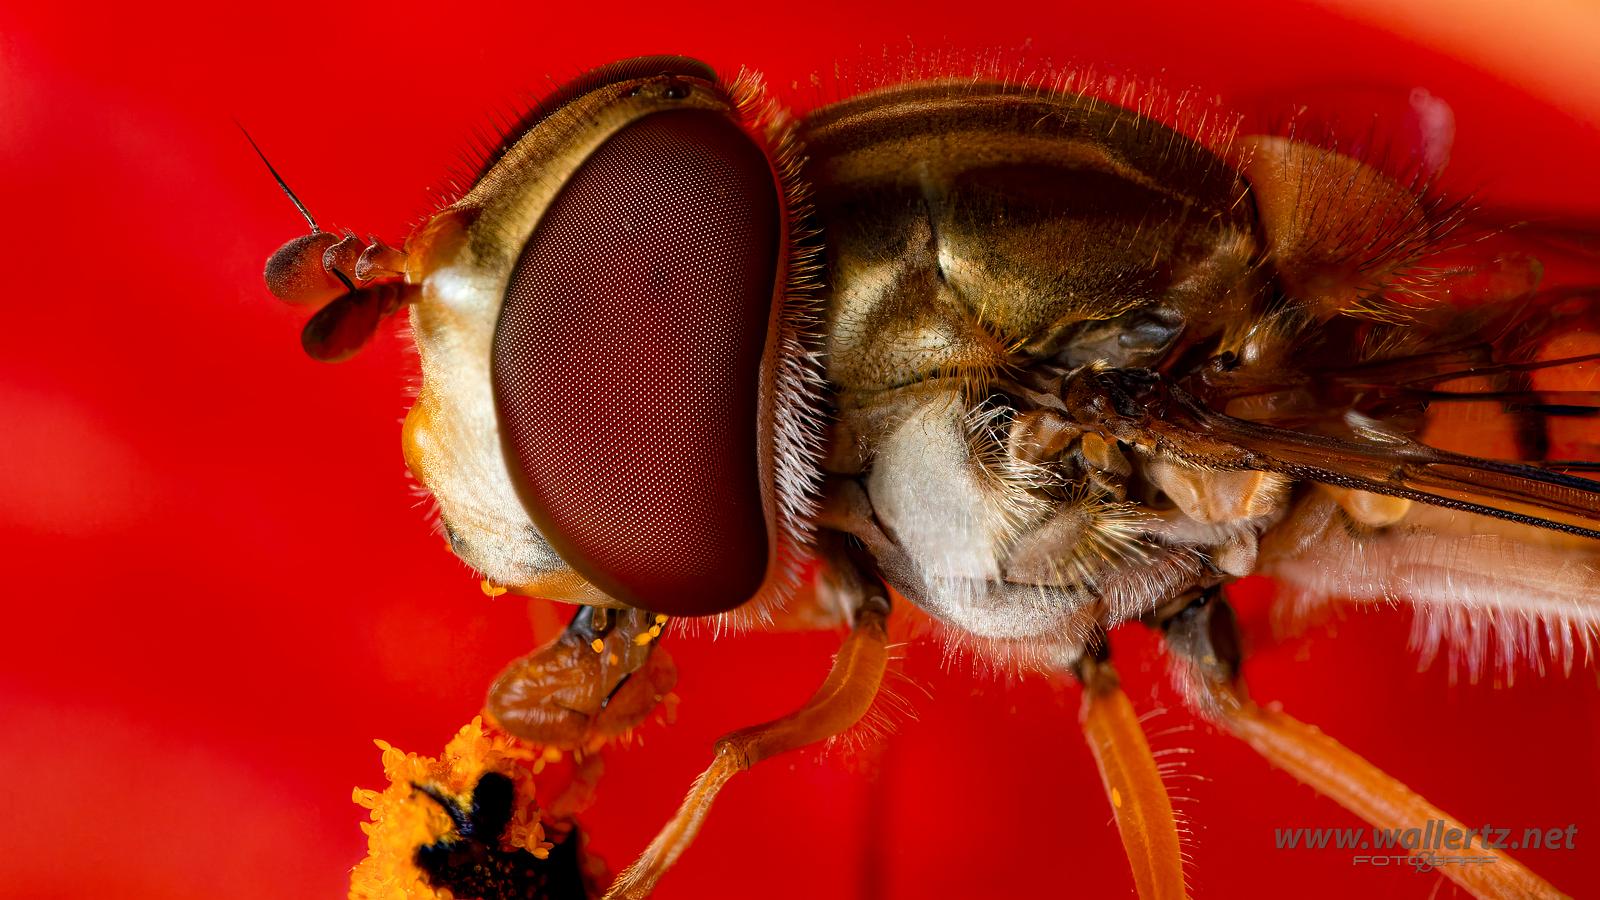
{"points": [[980, 239]]}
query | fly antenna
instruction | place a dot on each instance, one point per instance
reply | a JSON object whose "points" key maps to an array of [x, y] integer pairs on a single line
{"points": [[279, 178]]}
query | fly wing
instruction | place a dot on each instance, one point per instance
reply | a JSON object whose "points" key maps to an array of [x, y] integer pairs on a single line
{"points": [[1483, 361], [1376, 461]]}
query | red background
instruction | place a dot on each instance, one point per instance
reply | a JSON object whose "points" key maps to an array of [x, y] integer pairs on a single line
{"points": [[218, 589]]}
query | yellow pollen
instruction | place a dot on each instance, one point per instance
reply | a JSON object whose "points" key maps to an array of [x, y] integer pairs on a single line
{"points": [[655, 631], [661, 619], [1116, 799], [598, 645], [400, 819], [490, 589]]}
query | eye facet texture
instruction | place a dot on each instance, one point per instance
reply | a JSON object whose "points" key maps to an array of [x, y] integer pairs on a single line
{"points": [[628, 363]]}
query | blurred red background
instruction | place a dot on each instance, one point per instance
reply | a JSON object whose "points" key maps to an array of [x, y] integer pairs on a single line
{"points": [[219, 589]]}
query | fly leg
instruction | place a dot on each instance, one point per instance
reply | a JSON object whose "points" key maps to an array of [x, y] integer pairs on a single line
{"points": [[1132, 781], [1128, 770], [844, 697], [1204, 643]]}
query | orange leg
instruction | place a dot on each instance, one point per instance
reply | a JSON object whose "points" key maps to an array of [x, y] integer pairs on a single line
{"points": [[1336, 772], [1133, 784], [1203, 641], [843, 698]]}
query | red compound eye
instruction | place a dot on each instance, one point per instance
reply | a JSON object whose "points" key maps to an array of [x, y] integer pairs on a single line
{"points": [[628, 364]]}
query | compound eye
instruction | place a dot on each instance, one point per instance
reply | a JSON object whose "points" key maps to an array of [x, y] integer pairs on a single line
{"points": [[628, 364]]}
